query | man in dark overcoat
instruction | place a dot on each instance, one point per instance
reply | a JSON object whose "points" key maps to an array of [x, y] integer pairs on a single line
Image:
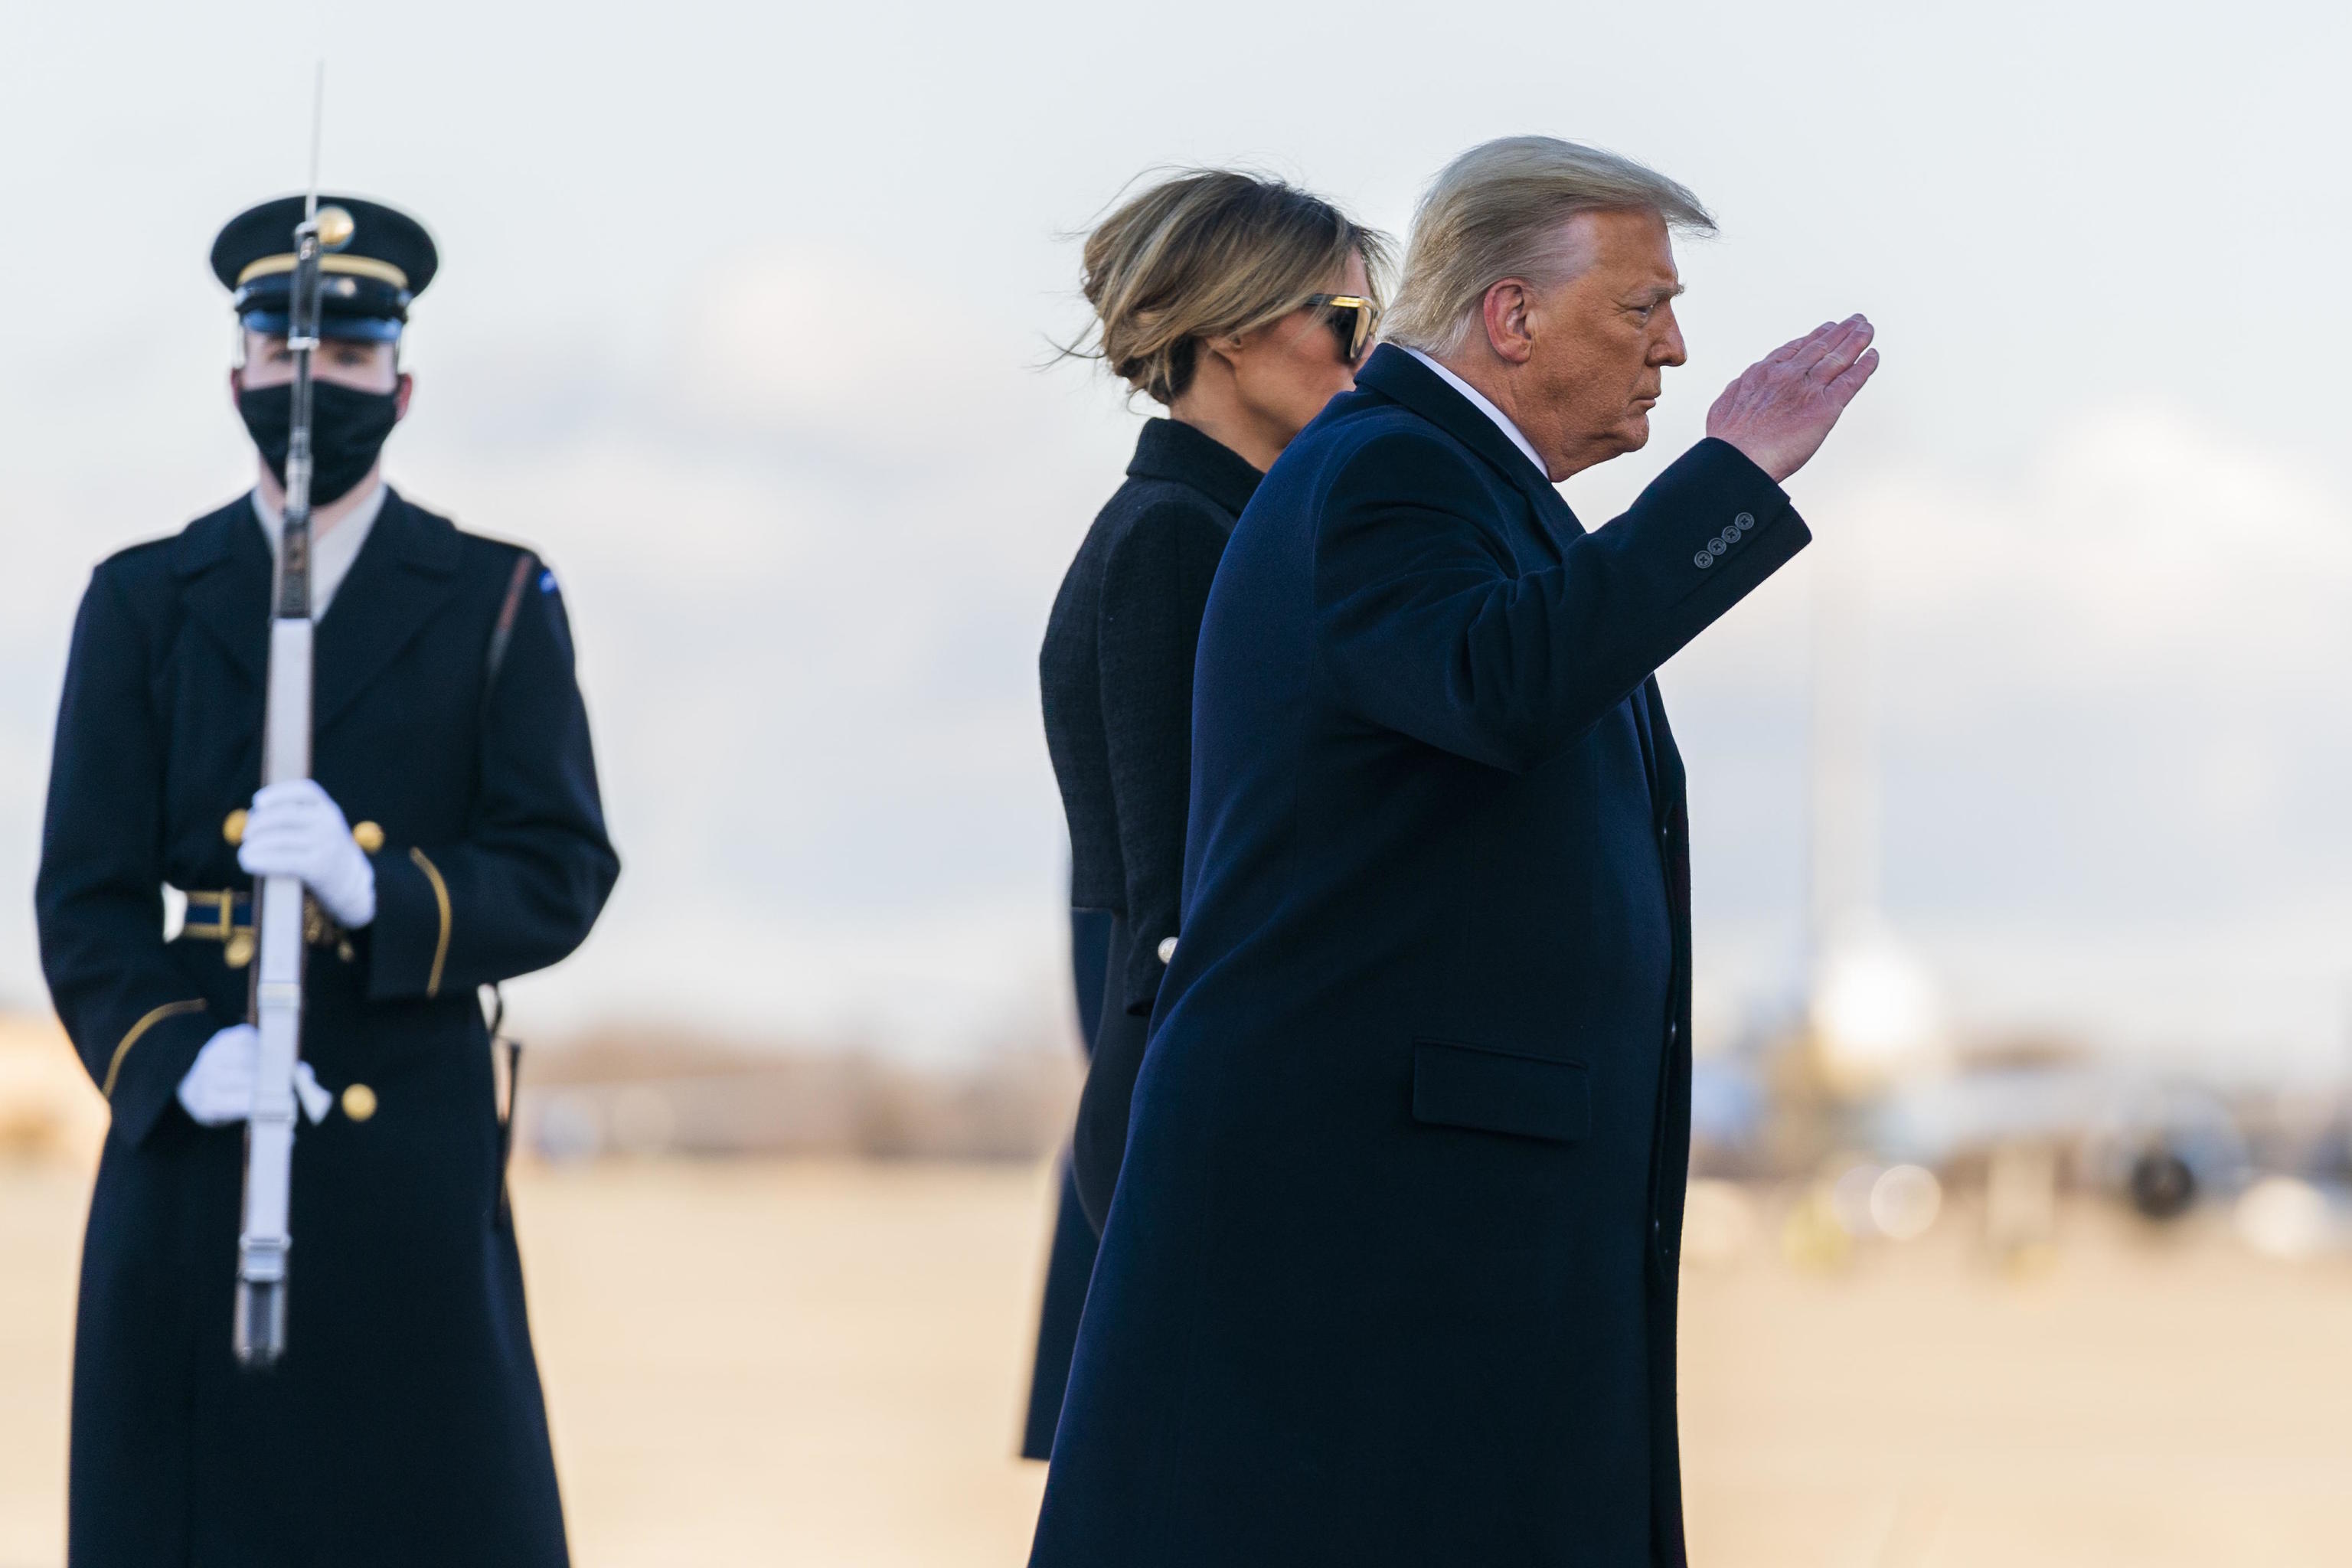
{"points": [[452, 837], [1390, 1276]]}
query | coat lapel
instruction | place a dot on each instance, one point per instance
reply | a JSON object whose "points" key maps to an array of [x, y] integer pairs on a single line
{"points": [[1555, 523], [406, 574], [1558, 515], [1397, 374], [224, 560]]}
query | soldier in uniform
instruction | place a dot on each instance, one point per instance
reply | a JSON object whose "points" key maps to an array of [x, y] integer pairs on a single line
{"points": [[452, 837]]}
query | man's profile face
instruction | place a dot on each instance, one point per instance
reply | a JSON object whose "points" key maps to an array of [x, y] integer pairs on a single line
{"points": [[361, 366], [1604, 335]]}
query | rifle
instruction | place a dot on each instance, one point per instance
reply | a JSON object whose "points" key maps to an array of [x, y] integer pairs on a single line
{"points": [[275, 1001]]}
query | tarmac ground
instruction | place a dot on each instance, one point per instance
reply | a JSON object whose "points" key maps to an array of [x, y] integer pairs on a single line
{"points": [[821, 1364]]}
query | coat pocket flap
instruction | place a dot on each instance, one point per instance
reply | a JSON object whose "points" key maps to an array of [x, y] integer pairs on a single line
{"points": [[1493, 1091]]}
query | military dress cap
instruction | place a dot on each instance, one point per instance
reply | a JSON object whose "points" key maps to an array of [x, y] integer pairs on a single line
{"points": [[367, 282]]}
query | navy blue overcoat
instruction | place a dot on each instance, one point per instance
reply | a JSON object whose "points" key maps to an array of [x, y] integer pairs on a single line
{"points": [[405, 1424], [1389, 1275]]}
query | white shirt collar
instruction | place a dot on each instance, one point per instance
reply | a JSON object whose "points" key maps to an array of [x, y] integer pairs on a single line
{"points": [[1485, 405], [332, 554]]}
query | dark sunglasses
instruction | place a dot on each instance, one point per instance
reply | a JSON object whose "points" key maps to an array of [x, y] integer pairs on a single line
{"points": [[1352, 319]]}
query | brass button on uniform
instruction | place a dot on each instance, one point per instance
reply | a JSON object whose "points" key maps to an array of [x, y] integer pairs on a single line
{"points": [[233, 826], [359, 1103], [368, 836], [238, 949]]}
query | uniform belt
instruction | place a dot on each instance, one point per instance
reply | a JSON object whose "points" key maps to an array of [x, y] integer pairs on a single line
{"points": [[226, 916]]}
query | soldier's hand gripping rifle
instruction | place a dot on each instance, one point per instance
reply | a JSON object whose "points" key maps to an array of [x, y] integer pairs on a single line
{"points": [[276, 1005]]}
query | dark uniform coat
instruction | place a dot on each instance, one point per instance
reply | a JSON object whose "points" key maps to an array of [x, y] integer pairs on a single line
{"points": [[1390, 1276], [404, 1426]]}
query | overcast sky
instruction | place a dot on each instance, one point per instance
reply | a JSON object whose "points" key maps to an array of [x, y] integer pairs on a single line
{"points": [[744, 323]]}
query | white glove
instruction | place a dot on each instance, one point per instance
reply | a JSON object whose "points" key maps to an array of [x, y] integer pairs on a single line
{"points": [[297, 830], [219, 1089]]}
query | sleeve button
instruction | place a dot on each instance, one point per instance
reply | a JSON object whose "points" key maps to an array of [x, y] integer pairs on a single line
{"points": [[1167, 948]]}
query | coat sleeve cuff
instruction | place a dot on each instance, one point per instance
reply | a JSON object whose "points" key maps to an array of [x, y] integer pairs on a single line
{"points": [[141, 1074], [1718, 511], [408, 942]]}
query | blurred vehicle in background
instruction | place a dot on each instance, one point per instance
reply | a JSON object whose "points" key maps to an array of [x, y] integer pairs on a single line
{"points": [[1876, 1111]]}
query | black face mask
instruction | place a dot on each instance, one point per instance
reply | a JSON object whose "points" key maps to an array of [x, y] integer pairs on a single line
{"points": [[348, 429]]}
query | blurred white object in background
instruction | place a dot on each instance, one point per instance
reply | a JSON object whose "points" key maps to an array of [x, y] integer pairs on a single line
{"points": [[1876, 1014], [2284, 1217], [1905, 1202]]}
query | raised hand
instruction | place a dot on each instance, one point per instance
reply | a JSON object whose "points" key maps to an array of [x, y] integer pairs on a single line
{"points": [[1782, 407]]}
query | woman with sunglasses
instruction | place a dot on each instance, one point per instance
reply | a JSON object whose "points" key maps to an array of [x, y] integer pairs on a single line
{"points": [[1240, 306]]}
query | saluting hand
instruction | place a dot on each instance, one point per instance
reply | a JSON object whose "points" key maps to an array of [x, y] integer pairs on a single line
{"points": [[1782, 407], [296, 829]]}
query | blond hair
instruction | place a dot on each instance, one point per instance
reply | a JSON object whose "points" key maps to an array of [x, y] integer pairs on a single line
{"points": [[1496, 212], [1211, 253]]}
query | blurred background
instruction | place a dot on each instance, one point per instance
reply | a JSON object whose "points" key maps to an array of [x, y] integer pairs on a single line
{"points": [[2024, 871]]}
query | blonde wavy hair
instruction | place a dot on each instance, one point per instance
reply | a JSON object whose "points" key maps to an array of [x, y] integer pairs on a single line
{"points": [[1496, 212], [1211, 253]]}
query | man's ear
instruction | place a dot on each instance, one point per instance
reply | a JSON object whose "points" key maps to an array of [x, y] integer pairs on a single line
{"points": [[400, 389], [1505, 311], [236, 383]]}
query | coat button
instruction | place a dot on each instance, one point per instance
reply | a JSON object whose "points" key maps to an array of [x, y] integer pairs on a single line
{"points": [[1744, 521], [359, 1103], [233, 825], [1167, 948], [1716, 547], [1703, 559], [368, 836]]}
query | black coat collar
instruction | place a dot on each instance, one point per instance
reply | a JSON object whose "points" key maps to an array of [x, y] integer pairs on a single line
{"points": [[1397, 375], [404, 573], [1171, 449]]}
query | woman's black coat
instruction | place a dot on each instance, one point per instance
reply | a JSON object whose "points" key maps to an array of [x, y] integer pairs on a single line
{"points": [[405, 1424], [1116, 675]]}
